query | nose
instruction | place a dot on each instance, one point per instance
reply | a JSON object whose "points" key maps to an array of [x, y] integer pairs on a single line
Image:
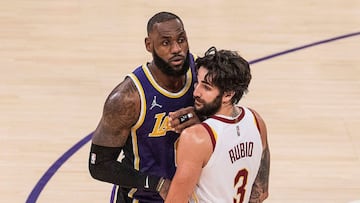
{"points": [[196, 92], [175, 47]]}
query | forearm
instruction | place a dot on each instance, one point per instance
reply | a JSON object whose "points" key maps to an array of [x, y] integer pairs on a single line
{"points": [[103, 166], [258, 195], [260, 188], [183, 184]]}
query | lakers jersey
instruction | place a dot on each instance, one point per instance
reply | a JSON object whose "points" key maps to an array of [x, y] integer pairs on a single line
{"points": [[150, 148], [232, 168]]}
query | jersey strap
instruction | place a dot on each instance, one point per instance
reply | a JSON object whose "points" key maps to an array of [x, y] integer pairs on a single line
{"points": [[212, 134]]}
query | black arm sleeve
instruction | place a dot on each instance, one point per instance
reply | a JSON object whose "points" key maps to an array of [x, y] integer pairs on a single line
{"points": [[103, 165]]}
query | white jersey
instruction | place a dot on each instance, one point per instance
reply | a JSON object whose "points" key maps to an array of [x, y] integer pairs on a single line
{"points": [[232, 168]]}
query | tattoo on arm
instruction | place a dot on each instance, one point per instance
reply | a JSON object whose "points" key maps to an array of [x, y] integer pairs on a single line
{"points": [[260, 187], [121, 111]]}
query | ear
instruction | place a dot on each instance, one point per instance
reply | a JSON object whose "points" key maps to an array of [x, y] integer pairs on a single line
{"points": [[228, 96], [148, 44]]}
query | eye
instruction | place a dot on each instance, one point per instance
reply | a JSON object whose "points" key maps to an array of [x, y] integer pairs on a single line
{"points": [[181, 40], [165, 43], [204, 86], [207, 87]]}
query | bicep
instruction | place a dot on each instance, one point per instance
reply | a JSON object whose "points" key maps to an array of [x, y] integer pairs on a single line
{"points": [[121, 111], [262, 128], [260, 187], [189, 166], [193, 151]]}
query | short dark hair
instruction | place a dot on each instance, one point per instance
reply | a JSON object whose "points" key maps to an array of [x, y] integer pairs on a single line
{"points": [[227, 70], [161, 17]]}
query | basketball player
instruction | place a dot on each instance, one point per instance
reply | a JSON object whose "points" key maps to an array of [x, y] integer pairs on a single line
{"points": [[226, 157], [135, 116]]}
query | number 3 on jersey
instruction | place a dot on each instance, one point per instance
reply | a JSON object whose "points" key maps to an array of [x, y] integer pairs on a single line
{"points": [[239, 185]]}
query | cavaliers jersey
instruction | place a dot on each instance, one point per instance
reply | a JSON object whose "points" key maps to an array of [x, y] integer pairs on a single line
{"points": [[232, 168], [151, 145]]}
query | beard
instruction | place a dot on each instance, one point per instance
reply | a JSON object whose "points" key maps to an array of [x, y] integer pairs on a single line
{"points": [[208, 109], [167, 69]]}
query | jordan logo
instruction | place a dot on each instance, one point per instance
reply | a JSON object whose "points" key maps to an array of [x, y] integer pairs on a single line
{"points": [[153, 104]]}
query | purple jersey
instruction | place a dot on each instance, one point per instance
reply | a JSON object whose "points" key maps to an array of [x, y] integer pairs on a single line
{"points": [[151, 146]]}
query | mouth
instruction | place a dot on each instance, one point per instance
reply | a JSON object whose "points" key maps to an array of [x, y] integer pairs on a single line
{"points": [[197, 103], [177, 60]]}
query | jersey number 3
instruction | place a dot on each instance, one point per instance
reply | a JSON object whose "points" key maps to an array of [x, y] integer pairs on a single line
{"points": [[239, 184]]}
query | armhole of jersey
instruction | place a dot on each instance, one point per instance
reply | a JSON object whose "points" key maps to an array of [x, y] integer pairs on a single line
{"points": [[258, 126], [211, 134], [255, 120], [140, 89], [138, 123]]}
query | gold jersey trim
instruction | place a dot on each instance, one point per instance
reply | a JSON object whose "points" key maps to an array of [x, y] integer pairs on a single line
{"points": [[164, 91], [140, 120]]}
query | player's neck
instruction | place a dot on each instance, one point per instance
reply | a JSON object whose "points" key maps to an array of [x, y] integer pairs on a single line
{"points": [[229, 110], [170, 83]]}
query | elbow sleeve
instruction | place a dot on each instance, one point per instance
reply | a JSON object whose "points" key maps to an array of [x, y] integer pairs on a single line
{"points": [[103, 166], [99, 158]]}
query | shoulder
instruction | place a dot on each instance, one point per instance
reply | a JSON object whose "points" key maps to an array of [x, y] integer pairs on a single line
{"points": [[125, 92], [127, 86], [261, 125], [197, 136], [123, 101], [121, 111], [196, 140], [196, 133]]}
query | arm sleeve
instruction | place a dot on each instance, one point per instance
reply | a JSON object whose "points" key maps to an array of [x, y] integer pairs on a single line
{"points": [[103, 166]]}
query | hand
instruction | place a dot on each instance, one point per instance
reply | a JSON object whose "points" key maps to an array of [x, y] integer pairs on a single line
{"points": [[190, 119], [165, 189]]}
